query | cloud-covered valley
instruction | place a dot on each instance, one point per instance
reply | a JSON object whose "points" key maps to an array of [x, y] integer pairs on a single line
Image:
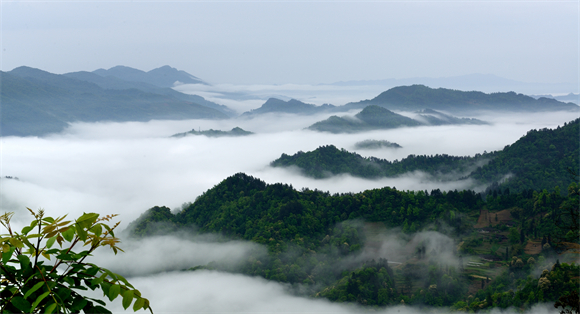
{"points": [[126, 168]]}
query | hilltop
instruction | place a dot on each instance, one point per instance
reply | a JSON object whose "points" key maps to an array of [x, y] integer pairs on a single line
{"points": [[215, 133], [164, 76], [417, 97], [274, 105], [378, 118]]}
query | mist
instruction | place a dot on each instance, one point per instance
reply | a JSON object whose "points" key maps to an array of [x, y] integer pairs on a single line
{"points": [[126, 168], [216, 292]]}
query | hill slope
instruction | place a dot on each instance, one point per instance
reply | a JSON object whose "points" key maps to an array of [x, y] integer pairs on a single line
{"points": [[378, 118], [538, 160], [274, 105], [317, 240], [113, 82]]}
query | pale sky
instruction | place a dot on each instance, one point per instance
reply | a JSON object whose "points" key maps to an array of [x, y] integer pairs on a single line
{"points": [[267, 42]]}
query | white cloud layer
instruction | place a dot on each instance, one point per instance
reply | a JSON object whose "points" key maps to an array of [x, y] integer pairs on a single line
{"points": [[126, 168]]}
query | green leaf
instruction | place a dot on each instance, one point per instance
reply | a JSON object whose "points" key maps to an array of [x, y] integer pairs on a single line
{"points": [[82, 233], [97, 229], [50, 242], [69, 234], [21, 304], [24, 260], [7, 254], [38, 300], [48, 219], [138, 304], [27, 229], [34, 288], [50, 308], [78, 304], [87, 220], [127, 298], [100, 309], [114, 292], [15, 242], [65, 257]]}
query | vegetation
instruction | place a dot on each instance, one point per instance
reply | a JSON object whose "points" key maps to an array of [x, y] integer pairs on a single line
{"points": [[326, 161], [319, 241], [375, 144], [215, 133], [40, 277], [538, 160]]}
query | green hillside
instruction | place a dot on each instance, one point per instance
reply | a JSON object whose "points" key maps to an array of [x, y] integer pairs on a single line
{"points": [[538, 160], [318, 241]]}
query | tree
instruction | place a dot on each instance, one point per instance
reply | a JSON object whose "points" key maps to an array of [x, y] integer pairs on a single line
{"points": [[38, 277]]}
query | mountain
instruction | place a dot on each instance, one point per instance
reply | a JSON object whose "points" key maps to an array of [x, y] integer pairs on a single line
{"points": [[376, 144], [274, 105], [571, 97], [327, 161], [417, 97], [164, 76], [36, 102], [216, 133], [433, 117], [334, 246], [378, 118], [487, 83], [113, 82], [538, 160]]}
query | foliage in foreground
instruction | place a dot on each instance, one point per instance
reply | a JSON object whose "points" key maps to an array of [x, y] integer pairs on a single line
{"points": [[39, 276]]}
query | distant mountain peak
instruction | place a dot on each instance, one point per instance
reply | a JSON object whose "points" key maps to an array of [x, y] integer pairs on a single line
{"points": [[165, 76]]}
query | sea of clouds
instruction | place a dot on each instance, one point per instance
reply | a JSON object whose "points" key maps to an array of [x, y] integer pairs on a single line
{"points": [[126, 168]]}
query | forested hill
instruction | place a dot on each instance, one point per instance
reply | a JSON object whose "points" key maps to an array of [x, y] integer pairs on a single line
{"points": [[317, 240], [541, 159], [237, 131], [417, 97], [378, 118], [538, 160], [274, 105], [327, 161]]}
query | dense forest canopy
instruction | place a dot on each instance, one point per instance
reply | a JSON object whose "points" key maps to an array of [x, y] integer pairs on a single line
{"points": [[540, 159], [326, 243]]}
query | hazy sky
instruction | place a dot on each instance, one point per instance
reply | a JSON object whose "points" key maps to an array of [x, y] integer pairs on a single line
{"points": [[271, 42]]}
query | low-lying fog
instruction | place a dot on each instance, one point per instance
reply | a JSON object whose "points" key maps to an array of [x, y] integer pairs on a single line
{"points": [[126, 168]]}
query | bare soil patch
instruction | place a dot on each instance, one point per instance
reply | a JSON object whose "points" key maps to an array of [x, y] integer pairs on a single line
{"points": [[487, 219], [533, 247]]}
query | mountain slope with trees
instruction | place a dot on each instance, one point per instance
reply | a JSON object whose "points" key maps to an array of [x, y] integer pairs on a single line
{"points": [[541, 158], [320, 241]]}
